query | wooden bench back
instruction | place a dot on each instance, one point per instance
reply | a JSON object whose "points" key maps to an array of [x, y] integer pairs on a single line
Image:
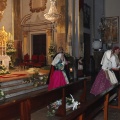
{"points": [[24, 106], [71, 89], [89, 109]]}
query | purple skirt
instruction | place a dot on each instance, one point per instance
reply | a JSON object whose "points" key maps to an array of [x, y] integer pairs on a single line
{"points": [[101, 83]]}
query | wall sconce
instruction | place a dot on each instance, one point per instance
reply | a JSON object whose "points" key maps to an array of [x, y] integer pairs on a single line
{"points": [[97, 44]]}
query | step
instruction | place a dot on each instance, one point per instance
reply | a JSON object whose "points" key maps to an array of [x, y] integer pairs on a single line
{"points": [[23, 90], [11, 82], [15, 86]]}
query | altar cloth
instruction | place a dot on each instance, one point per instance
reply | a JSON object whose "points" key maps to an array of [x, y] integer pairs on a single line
{"points": [[5, 60], [14, 76]]}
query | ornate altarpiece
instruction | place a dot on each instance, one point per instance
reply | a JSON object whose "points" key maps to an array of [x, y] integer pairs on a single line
{"points": [[4, 58]]}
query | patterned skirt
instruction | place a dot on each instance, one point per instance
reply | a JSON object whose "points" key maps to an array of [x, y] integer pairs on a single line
{"points": [[101, 83]]}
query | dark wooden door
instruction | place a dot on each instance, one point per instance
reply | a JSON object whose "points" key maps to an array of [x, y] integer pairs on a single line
{"points": [[39, 44]]}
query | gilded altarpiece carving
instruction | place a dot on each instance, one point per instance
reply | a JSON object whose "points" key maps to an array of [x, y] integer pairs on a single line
{"points": [[37, 5]]}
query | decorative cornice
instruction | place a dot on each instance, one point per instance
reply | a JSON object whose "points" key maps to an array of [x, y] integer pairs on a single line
{"points": [[42, 5]]}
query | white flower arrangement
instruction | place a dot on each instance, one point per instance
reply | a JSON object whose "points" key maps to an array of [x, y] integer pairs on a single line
{"points": [[70, 103], [33, 70], [3, 70], [2, 95], [35, 78], [74, 104], [10, 47]]}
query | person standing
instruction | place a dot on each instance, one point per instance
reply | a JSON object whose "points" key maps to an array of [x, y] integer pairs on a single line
{"points": [[115, 62], [102, 81], [58, 75]]}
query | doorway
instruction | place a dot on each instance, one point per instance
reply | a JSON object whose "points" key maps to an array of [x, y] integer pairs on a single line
{"points": [[39, 44]]}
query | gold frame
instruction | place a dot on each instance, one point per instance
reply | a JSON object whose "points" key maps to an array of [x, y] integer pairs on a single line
{"points": [[111, 32], [37, 6]]}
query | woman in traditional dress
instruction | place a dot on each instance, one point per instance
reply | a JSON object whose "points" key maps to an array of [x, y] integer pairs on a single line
{"points": [[115, 61], [102, 81], [58, 72]]}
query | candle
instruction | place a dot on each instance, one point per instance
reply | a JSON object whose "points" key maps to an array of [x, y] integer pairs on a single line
{"points": [[71, 69], [2, 48], [8, 36], [5, 47]]}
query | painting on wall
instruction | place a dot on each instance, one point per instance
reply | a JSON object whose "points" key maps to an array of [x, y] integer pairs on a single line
{"points": [[110, 33], [86, 16]]}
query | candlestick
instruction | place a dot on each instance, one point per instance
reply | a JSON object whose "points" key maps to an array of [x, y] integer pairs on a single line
{"points": [[11, 37], [2, 48]]}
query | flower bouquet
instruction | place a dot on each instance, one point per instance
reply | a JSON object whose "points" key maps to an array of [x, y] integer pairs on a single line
{"points": [[70, 104], [35, 78], [3, 70], [10, 50]]}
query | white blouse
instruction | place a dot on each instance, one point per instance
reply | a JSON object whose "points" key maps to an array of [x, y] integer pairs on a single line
{"points": [[106, 62], [115, 61]]}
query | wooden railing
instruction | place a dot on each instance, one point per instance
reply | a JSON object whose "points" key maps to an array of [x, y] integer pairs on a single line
{"points": [[22, 106], [89, 109]]}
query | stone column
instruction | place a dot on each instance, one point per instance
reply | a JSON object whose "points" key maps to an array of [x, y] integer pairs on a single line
{"points": [[49, 42], [24, 45]]}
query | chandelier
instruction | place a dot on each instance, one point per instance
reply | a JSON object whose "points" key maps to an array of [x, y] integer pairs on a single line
{"points": [[52, 14]]}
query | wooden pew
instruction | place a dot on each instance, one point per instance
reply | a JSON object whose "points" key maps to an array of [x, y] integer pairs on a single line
{"points": [[71, 89], [23, 106], [89, 109]]}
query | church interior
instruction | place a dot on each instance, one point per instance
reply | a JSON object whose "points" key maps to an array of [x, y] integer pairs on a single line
{"points": [[31, 33]]}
